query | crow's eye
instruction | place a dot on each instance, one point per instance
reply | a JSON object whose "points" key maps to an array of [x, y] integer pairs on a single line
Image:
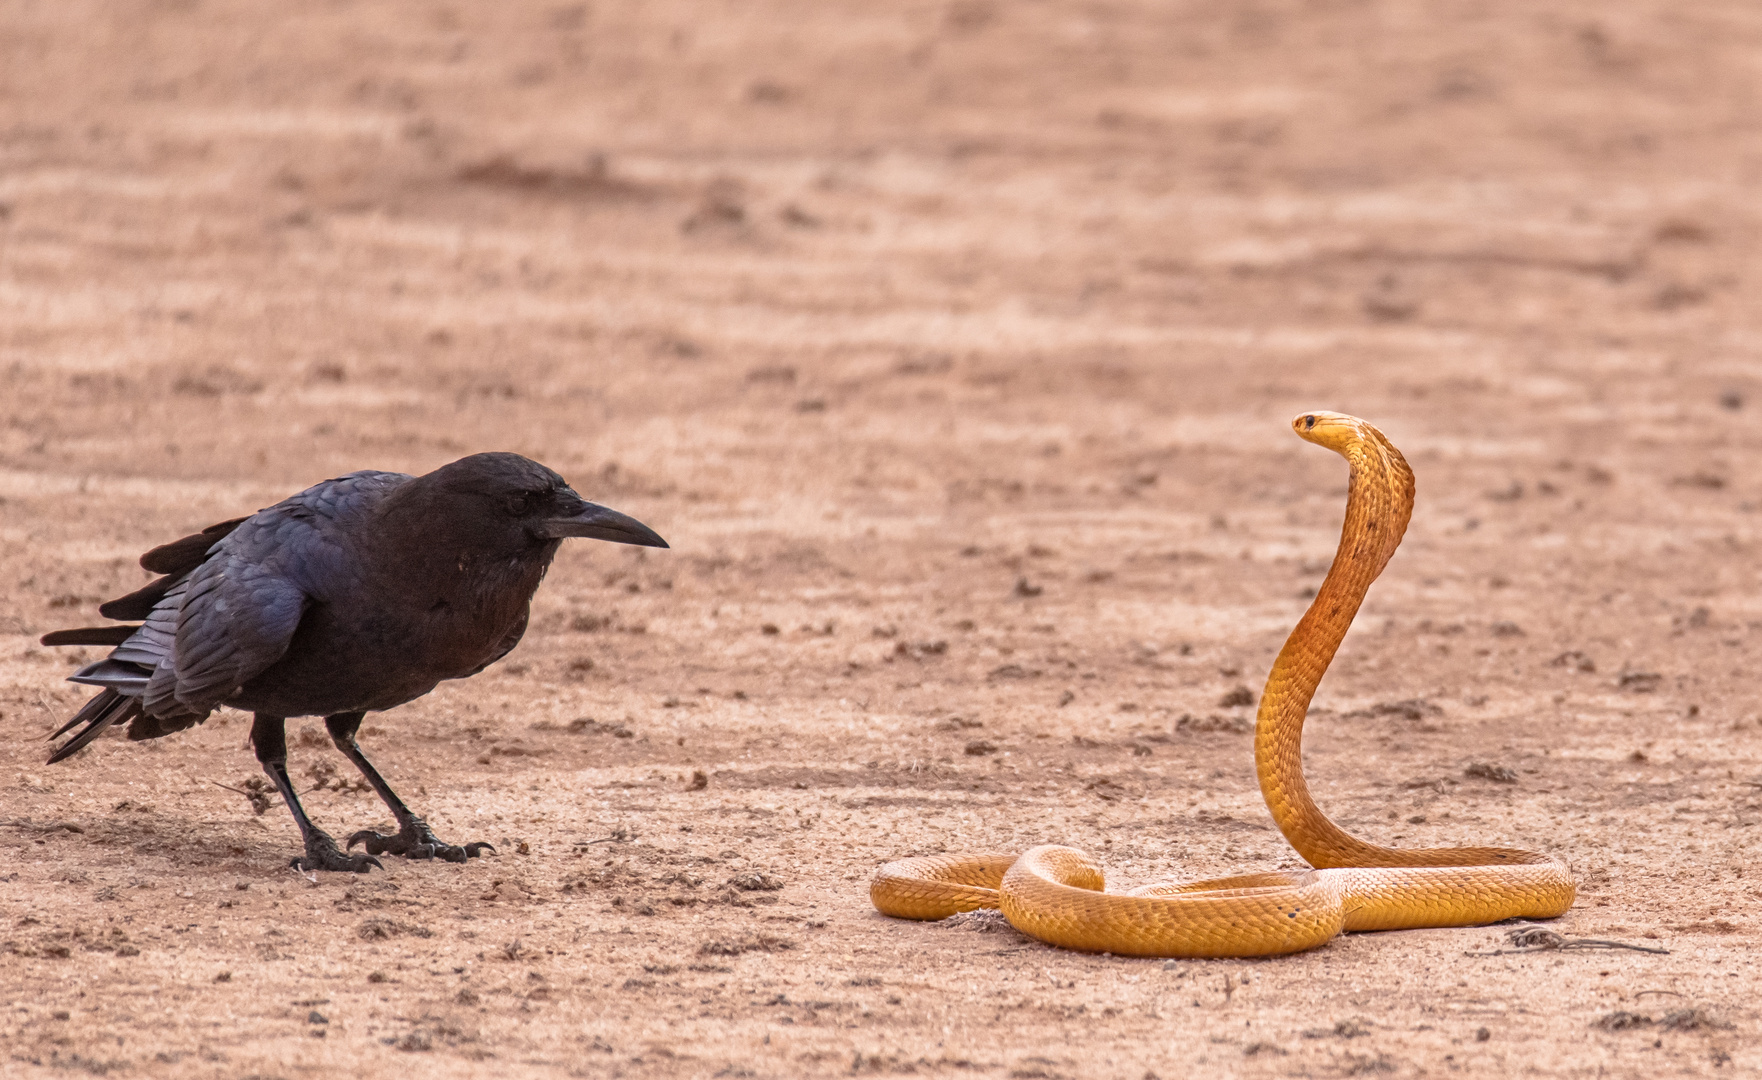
{"points": [[519, 505]]}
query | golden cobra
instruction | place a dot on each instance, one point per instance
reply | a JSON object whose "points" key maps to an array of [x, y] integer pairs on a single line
{"points": [[1055, 893]]}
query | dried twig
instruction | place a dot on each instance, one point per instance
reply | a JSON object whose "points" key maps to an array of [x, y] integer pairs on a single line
{"points": [[1531, 939], [622, 834], [256, 790]]}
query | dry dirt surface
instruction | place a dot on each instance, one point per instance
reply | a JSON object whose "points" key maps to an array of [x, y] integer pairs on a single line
{"points": [[953, 345]]}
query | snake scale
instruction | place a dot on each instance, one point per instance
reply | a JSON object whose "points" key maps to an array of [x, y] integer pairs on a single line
{"points": [[1055, 893]]}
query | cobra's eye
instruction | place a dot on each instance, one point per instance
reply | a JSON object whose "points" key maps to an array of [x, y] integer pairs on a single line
{"points": [[1308, 423]]}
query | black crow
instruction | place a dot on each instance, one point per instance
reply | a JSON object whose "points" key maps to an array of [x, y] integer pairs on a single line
{"points": [[355, 595]]}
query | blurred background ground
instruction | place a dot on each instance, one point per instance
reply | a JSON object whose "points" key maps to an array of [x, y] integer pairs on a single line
{"points": [[953, 346]]}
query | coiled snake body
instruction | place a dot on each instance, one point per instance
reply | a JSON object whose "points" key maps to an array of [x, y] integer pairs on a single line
{"points": [[1055, 893]]}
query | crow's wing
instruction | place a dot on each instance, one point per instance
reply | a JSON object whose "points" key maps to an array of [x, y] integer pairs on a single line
{"points": [[181, 556], [226, 609], [235, 614], [175, 560], [236, 618]]}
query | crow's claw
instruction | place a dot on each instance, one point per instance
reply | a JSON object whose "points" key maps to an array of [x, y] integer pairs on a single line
{"points": [[322, 854], [417, 841]]}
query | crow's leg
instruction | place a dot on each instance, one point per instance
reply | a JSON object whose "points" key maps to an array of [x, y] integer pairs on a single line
{"points": [[269, 736], [414, 839]]}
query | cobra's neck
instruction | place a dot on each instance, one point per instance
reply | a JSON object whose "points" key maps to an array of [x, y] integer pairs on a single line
{"points": [[1379, 502]]}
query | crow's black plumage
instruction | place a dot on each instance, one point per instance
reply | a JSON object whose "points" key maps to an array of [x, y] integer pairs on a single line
{"points": [[357, 594]]}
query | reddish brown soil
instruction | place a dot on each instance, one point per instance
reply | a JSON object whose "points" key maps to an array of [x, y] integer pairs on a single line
{"points": [[953, 347]]}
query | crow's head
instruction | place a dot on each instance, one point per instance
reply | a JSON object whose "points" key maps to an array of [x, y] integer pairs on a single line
{"points": [[505, 504]]}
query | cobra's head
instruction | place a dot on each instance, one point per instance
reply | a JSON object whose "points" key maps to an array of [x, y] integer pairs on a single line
{"points": [[1336, 431]]}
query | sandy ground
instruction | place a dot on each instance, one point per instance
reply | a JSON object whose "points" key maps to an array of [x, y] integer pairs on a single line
{"points": [[953, 346]]}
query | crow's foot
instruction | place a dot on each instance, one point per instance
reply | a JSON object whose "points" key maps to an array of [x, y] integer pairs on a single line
{"points": [[416, 841], [322, 854]]}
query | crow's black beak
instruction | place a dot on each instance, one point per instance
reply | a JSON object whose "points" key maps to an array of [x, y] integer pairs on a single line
{"points": [[596, 522]]}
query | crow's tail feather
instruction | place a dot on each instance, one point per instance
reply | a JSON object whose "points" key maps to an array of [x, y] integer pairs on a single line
{"points": [[99, 713], [91, 635]]}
